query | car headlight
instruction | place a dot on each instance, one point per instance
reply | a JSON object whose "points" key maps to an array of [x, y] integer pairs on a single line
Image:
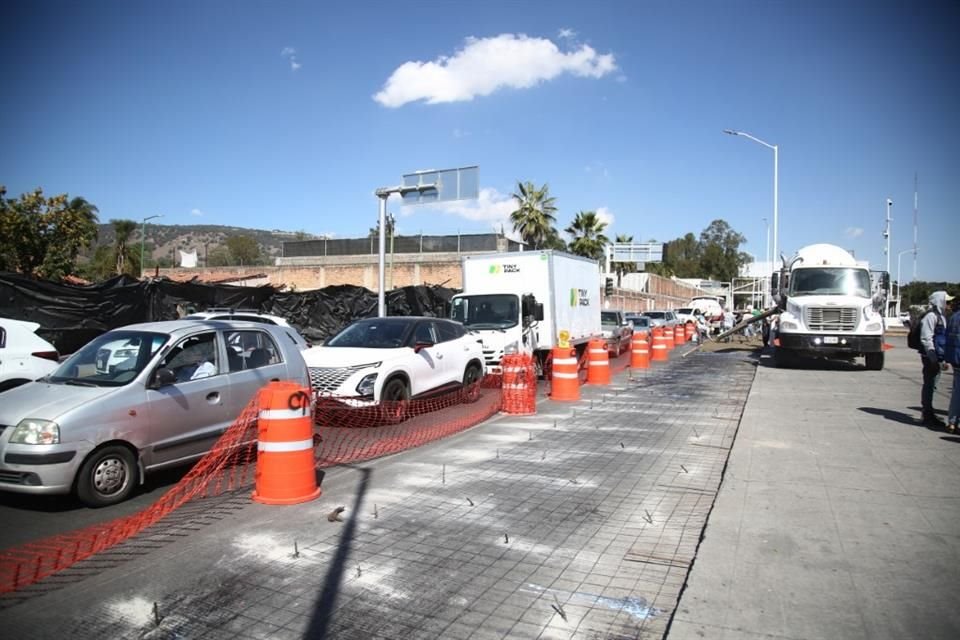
{"points": [[33, 431], [365, 388], [786, 325], [511, 348]]}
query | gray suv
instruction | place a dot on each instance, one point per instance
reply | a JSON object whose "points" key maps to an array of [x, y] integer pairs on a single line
{"points": [[134, 400]]}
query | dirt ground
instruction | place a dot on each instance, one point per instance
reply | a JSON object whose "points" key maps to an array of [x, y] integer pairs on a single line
{"points": [[735, 343]]}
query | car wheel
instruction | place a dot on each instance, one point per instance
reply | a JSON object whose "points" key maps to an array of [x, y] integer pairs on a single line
{"points": [[107, 477], [393, 401], [471, 386]]}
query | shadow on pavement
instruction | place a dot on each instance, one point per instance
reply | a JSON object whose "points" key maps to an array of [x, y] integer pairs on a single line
{"points": [[899, 416], [951, 439], [327, 602]]}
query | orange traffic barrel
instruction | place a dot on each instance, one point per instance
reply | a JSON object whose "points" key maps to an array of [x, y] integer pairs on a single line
{"points": [[659, 349], [689, 330], [668, 337], [678, 336], [286, 472], [519, 391], [639, 352], [564, 379], [598, 363]]}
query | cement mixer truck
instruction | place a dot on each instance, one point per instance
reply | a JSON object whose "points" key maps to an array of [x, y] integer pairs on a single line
{"points": [[828, 308]]}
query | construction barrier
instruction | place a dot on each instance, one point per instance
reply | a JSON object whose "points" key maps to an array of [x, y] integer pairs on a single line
{"points": [[659, 349], [565, 379], [639, 352], [519, 391], [286, 472], [598, 363], [678, 335], [689, 331], [669, 342]]}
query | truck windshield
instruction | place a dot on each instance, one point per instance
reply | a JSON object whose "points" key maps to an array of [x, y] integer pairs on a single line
{"points": [[845, 281], [499, 311]]}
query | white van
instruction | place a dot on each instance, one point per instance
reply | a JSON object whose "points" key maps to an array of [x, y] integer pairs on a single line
{"points": [[711, 307], [24, 356]]}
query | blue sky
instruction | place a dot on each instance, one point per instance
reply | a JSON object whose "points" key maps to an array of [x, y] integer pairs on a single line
{"points": [[288, 115]]}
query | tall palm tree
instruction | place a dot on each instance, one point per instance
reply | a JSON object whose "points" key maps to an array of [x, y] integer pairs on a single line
{"points": [[587, 233], [620, 268], [125, 257], [533, 218]]}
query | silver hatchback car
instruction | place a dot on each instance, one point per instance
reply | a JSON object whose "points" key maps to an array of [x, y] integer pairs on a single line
{"points": [[134, 400]]}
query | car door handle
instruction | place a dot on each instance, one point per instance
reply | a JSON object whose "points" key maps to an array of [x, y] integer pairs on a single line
{"points": [[274, 379], [213, 397]]}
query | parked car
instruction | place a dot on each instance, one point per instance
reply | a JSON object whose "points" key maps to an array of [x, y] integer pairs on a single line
{"points": [[174, 388], [661, 318], [639, 322], [251, 315], [394, 359], [616, 331], [24, 356]]}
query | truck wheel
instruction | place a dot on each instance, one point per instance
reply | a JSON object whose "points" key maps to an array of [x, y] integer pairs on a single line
{"points": [[783, 358], [393, 401], [107, 477], [874, 361]]}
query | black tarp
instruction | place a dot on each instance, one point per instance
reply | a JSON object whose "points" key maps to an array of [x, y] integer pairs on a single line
{"points": [[70, 316]]}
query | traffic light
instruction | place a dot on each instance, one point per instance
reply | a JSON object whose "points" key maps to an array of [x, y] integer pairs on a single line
{"points": [[608, 287]]}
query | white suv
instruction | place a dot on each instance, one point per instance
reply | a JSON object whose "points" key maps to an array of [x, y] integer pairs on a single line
{"points": [[24, 356], [394, 359], [250, 315]]}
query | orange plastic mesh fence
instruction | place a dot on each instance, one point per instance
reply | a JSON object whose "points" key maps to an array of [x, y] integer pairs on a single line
{"points": [[342, 434], [519, 385]]}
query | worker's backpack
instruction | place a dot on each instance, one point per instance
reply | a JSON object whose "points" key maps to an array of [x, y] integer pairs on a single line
{"points": [[913, 337]]}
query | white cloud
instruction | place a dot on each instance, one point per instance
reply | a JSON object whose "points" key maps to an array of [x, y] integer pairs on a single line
{"points": [[854, 232], [460, 133], [197, 212], [291, 55], [485, 65], [490, 206], [567, 33], [605, 215]]}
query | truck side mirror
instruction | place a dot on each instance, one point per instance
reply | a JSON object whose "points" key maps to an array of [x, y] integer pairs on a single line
{"points": [[538, 311]]}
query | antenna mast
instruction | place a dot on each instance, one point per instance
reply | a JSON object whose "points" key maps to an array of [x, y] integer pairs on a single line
{"points": [[915, 225]]}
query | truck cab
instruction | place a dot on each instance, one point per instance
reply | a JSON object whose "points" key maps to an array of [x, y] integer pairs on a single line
{"points": [[828, 308]]}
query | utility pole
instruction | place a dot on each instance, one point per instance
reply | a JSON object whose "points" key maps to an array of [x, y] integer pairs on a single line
{"points": [[886, 234]]}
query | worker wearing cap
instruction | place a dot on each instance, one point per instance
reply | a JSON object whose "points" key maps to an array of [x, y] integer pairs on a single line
{"points": [[933, 336]]}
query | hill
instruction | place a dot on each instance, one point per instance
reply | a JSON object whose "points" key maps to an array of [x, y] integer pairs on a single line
{"points": [[164, 240]]}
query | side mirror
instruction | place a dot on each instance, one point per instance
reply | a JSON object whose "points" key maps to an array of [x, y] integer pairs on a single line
{"points": [[420, 346], [163, 378], [538, 311]]}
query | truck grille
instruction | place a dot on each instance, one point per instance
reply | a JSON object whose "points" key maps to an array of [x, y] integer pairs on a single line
{"points": [[329, 379], [832, 318]]}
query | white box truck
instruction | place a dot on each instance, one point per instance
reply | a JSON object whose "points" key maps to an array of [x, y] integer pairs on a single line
{"points": [[828, 308], [521, 302]]}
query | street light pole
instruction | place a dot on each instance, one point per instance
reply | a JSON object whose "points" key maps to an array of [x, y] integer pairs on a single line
{"points": [[768, 267], [776, 180], [900, 284], [143, 235]]}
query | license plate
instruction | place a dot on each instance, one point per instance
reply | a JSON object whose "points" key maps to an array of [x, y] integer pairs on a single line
{"points": [[830, 340]]}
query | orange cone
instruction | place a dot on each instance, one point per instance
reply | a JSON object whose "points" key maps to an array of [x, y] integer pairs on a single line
{"points": [[565, 381], [668, 338], [678, 336], [639, 352], [286, 472], [689, 330], [659, 350], [598, 363]]}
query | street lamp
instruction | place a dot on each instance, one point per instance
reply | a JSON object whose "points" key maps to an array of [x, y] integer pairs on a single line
{"points": [[143, 235], [768, 267], [776, 154]]}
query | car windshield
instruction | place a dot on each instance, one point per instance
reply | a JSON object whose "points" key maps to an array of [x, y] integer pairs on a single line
{"points": [[656, 315], [639, 321], [846, 281], [379, 333], [500, 311], [609, 317], [110, 360], [687, 311]]}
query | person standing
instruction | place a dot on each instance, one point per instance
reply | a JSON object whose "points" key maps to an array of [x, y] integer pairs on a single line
{"points": [[933, 327], [952, 357]]}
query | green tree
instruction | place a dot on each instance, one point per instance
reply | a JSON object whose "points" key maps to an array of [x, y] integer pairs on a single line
{"points": [[622, 268], [720, 255], [586, 232], [219, 257], [683, 256], [41, 237], [533, 218], [243, 249], [126, 260], [390, 226]]}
